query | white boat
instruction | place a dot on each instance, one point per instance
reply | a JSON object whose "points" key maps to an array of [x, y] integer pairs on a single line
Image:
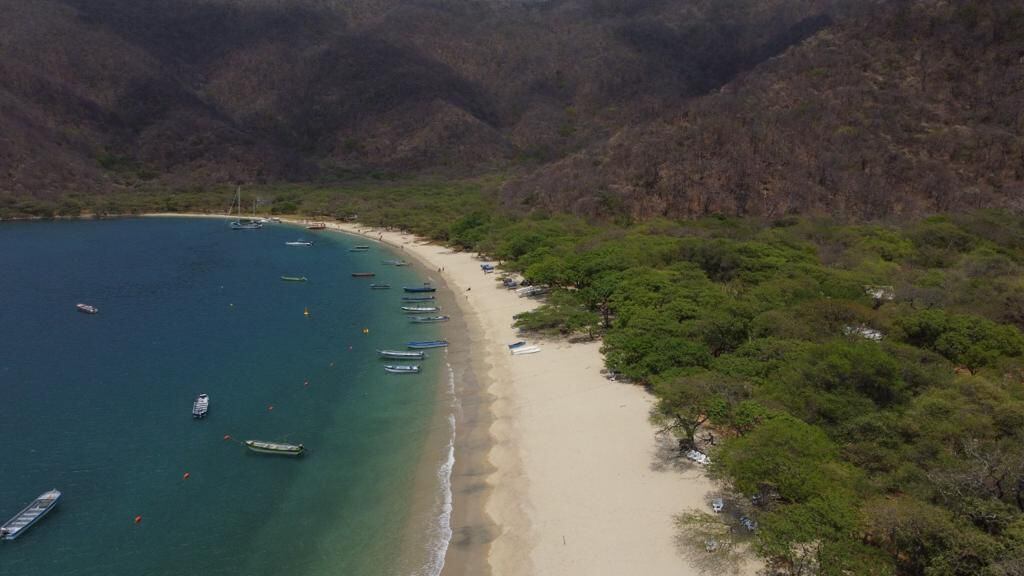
{"points": [[29, 515], [428, 319], [525, 350], [201, 406], [402, 369], [244, 223], [401, 354], [87, 308], [298, 243], [414, 309]]}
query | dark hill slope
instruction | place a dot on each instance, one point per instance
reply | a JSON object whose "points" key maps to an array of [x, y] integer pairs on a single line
{"points": [[101, 95], [905, 108]]}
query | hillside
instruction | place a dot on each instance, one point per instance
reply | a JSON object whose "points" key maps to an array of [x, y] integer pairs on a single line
{"points": [[914, 107], [175, 94], [609, 108]]}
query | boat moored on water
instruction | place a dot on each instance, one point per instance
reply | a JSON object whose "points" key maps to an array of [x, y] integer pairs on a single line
{"points": [[402, 369], [428, 319], [298, 243], [417, 289], [417, 298], [416, 309], [277, 448], [359, 249], [294, 278], [424, 344], [401, 354], [87, 309], [201, 406], [380, 286], [363, 274], [29, 515], [240, 223]]}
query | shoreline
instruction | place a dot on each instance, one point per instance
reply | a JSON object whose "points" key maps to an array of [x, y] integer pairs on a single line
{"points": [[578, 482], [564, 474]]}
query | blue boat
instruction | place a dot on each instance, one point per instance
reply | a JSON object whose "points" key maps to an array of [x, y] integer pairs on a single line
{"points": [[420, 289], [31, 514], [427, 344], [417, 298]]}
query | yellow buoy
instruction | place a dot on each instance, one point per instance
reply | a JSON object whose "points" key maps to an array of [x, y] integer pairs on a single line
{"points": [[305, 312], [366, 330]]}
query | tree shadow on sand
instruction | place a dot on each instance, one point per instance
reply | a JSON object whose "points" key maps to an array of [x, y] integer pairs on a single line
{"points": [[668, 457]]}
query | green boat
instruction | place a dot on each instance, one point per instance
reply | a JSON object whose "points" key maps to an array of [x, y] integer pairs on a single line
{"points": [[293, 278], [275, 448]]}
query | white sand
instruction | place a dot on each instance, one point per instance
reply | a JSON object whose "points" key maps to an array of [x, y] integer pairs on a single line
{"points": [[578, 486]]}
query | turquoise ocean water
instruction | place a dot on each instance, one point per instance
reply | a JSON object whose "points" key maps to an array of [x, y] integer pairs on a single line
{"points": [[99, 406]]}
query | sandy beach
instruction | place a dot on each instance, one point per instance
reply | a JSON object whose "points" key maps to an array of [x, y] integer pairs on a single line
{"points": [[578, 481], [572, 477]]}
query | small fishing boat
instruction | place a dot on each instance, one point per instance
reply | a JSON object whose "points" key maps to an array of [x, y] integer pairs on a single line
{"points": [[395, 262], [416, 289], [316, 226], [275, 448], [428, 319], [525, 350], [402, 354], [402, 369], [380, 286], [415, 309], [363, 274], [359, 249], [274, 220], [87, 308], [294, 278], [31, 514], [417, 298], [420, 345], [298, 243], [201, 406]]}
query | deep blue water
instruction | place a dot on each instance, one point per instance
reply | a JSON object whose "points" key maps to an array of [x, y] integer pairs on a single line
{"points": [[99, 406]]}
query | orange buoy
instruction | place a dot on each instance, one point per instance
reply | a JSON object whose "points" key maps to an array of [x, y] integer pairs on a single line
{"points": [[138, 519], [186, 476], [227, 436]]}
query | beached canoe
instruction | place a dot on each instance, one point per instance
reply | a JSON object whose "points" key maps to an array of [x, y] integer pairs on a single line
{"points": [[525, 350]]}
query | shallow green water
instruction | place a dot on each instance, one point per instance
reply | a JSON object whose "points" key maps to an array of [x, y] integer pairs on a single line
{"points": [[99, 406]]}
